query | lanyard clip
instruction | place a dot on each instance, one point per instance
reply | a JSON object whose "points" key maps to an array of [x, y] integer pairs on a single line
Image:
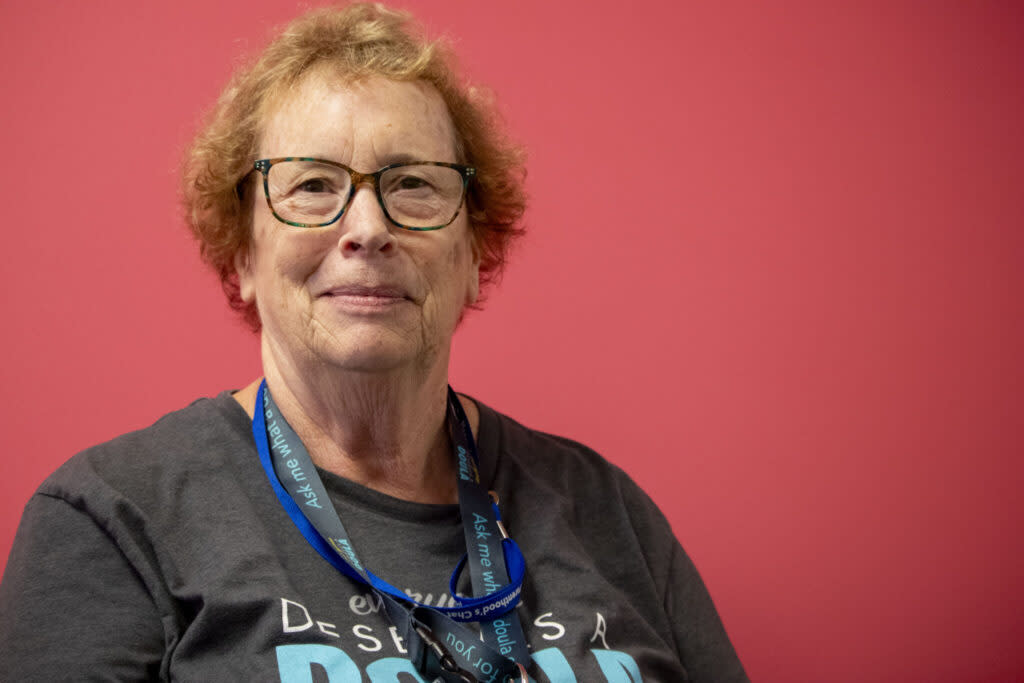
{"points": [[444, 658], [495, 501]]}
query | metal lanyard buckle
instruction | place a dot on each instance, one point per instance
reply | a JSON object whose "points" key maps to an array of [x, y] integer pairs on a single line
{"points": [[444, 657], [449, 664]]}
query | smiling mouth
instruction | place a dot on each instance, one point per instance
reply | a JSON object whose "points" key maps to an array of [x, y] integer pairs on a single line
{"points": [[369, 298]]}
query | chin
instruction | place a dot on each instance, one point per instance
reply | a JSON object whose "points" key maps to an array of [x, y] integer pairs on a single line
{"points": [[377, 353]]}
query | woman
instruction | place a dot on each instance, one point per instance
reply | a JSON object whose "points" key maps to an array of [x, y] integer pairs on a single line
{"points": [[354, 197]]}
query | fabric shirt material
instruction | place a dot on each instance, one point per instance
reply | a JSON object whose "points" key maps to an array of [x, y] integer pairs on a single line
{"points": [[164, 554]]}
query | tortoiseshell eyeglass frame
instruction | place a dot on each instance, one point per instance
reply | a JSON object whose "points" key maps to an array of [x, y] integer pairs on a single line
{"points": [[263, 166]]}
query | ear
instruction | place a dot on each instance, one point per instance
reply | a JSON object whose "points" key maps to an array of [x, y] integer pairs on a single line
{"points": [[246, 284], [473, 287]]}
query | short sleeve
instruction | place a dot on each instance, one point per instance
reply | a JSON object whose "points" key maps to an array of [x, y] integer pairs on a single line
{"points": [[701, 640], [72, 605]]}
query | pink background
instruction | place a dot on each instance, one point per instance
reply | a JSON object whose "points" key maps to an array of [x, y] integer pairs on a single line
{"points": [[774, 270]]}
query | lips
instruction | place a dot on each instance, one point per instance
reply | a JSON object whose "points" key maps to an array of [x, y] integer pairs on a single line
{"points": [[371, 296], [382, 292]]}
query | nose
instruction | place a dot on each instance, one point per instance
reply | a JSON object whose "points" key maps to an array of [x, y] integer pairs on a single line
{"points": [[365, 228]]}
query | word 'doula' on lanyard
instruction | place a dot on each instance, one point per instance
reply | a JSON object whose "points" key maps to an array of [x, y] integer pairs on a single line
{"points": [[438, 641]]}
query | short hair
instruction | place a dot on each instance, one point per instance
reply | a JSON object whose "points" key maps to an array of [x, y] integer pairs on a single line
{"points": [[356, 41]]}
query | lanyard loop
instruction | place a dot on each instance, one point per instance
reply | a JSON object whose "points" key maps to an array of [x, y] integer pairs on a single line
{"points": [[496, 564]]}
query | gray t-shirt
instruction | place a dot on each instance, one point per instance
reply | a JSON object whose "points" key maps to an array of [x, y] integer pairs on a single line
{"points": [[164, 554]]}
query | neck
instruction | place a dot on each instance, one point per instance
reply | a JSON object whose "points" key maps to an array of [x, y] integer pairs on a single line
{"points": [[385, 431]]}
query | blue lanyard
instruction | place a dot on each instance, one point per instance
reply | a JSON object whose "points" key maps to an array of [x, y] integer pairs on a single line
{"points": [[438, 643]]}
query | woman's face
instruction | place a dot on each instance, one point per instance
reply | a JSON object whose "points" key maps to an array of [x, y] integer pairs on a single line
{"points": [[360, 294]]}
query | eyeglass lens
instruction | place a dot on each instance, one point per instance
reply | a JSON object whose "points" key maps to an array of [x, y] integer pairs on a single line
{"points": [[414, 196]]}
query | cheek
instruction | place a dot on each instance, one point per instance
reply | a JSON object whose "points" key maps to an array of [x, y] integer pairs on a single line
{"points": [[296, 261], [444, 274], [463, 271], [281, 264]]}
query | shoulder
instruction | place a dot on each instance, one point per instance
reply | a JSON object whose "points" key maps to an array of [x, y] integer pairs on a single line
{"points": [[560, 467], [567, 501], [151, 463], [135, 518]]}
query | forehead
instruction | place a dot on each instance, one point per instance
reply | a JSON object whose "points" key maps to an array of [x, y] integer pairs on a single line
{"points": [[373, 120]]}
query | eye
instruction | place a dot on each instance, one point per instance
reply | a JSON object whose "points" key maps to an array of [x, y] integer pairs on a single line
{"points": [[410, 182], [314, 185], [413, 183]]}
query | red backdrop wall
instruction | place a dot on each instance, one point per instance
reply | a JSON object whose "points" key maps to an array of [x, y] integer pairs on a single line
{"points": [[774, 270]]}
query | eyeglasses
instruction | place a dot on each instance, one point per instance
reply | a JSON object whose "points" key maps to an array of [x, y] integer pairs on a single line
{"points": [[312, 193]]}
